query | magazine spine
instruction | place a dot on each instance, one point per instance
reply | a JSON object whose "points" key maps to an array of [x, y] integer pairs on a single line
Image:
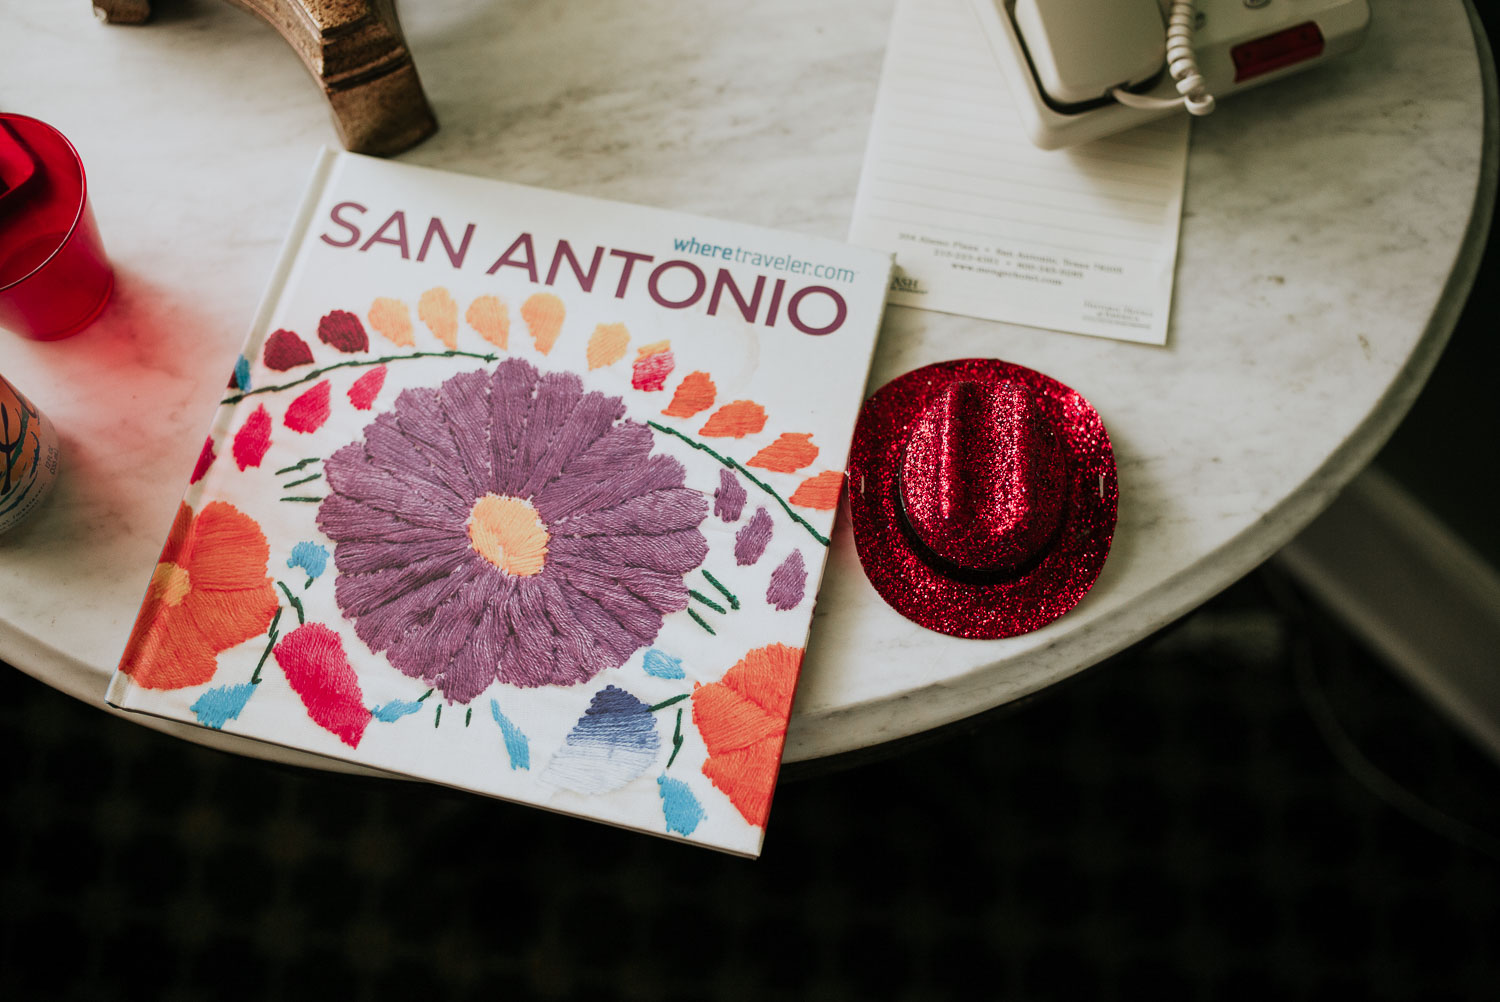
{"points": [[120, 689]]}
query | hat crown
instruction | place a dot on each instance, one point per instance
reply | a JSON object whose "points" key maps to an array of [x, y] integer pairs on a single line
{"points": [[983, 479]]}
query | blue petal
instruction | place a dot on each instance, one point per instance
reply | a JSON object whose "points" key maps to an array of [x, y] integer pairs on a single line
{"points": [[681, 808], [663, 665], [394, 710], [311, 557], [220, 705], [613, 742], [242, 372], [516, 745]]}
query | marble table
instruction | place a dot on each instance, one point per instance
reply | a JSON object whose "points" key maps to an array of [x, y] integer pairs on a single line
{"points": [[1332, 227]]}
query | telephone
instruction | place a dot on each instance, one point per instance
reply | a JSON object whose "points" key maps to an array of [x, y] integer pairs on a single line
{"points": [[1082, 69]]}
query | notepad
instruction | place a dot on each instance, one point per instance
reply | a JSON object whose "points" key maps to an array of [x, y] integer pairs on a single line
{"points": [[987, 225]]}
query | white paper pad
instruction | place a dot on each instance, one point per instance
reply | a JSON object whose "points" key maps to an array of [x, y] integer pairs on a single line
{"points": [[985, 224]]}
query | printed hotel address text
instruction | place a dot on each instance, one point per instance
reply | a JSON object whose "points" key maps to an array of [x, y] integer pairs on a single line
{"points": [[1062, 271], [1047, 269]]}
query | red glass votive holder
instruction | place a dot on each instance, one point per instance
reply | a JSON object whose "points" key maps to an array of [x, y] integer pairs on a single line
{"points": [[54, 277]]}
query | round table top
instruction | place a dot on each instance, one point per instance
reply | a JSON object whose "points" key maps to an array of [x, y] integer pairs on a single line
{"points": [[1331, 229]]}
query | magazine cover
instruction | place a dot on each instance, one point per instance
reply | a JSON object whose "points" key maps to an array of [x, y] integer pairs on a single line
{"points": [[520, 492]]}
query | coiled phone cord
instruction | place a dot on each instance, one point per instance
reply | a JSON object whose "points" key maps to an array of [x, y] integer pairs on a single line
{"points": [[1181, 63]]}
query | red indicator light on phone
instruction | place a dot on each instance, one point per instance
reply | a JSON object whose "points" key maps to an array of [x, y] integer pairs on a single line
{"points": [[1273, 52]]}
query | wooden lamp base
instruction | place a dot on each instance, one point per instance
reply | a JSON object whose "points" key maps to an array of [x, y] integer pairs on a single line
{"points": [[355, 51]]}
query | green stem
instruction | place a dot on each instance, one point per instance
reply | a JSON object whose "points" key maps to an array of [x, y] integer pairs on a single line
{"points": [[314, 374], [296, 602], [304, 480], [734, 465], [312, 500], [716, 607], [734, 603], [667, 702], [271, 636], [676, 740], [702, 622], [297, 466]]}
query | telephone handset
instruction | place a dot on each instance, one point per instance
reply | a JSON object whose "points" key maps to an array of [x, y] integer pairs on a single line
{"points": [[1093, 67], [1081, 49]]}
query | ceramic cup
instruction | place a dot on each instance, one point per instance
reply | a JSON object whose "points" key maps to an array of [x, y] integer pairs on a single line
{"points": [[28, 456]]}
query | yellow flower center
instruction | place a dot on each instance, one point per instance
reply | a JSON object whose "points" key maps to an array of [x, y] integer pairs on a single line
{"points": [[508, 533], [170, 583]]}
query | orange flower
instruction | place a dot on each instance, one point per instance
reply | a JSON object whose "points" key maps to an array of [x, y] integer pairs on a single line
{"points": [[742, 718], [209, 593]]}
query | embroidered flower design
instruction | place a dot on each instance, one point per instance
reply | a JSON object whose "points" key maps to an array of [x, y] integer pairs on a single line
{"points": [[209, 593], [508, 526], [742, 718]]}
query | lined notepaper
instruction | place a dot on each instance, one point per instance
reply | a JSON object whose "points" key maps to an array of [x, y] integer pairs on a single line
{"points": [[985, 224]]}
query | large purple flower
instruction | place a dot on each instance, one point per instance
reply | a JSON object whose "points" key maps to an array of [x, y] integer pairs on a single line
{"points": [[508, 525]]}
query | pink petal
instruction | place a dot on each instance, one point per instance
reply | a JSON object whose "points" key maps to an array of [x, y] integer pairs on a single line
{"points": [[205, 460], [312, 656], [366, 388], [650, 372], [253, 439], [310, 410]]}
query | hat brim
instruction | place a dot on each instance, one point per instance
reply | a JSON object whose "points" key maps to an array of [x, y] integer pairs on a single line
{"points": [[936, 595]]}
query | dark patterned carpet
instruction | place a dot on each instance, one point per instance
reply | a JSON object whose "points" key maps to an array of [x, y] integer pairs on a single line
{"points": [[1179, 823]]}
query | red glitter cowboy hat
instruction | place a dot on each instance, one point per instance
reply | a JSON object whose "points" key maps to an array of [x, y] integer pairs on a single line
{"points": [[983, 496]]}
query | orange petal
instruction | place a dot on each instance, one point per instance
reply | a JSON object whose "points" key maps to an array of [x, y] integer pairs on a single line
{"points": [[391, 319], [748, 778], [141, 650], [138, 652], [440, 313], [168, 654], [607, 345], [728, 719], [736, 420], [695, 393], [820, 491], [225, 619], [790, 452], [543, 313], [228, 551], [742, 719], [178, 535], [490, 318]]}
